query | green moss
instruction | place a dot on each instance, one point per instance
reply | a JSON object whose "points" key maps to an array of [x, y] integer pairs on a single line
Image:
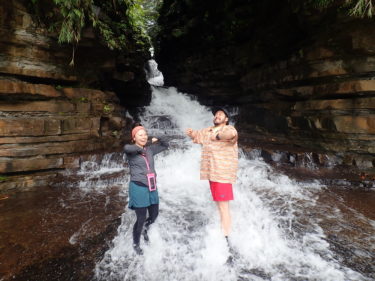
{"points": [[83, 99], [3, 178], [107, 108], [177, 32]]}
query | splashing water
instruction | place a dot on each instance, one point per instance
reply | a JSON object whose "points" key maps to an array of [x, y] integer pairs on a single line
{"points": [[272, 236], [99, 172]]}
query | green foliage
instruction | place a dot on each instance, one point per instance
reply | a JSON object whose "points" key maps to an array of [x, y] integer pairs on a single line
{"points": [[151, 14], [136, 17], [107, 108], [116, 21], [357, 8], [73, 13], [3, 178], [81, 100], [323, 3], [177, 32], [362, 8]]}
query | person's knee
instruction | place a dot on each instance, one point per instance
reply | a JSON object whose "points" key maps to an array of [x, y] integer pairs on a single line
{"points": [[151, 219], [223, 206], [154, 216], [153, 213], [141, 218]]}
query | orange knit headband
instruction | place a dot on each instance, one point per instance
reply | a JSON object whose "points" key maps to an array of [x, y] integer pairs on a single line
{"points": [[136, 130]]}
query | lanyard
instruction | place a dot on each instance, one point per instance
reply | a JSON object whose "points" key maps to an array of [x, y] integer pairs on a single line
{"points": [[147, 164], [150, 176]]}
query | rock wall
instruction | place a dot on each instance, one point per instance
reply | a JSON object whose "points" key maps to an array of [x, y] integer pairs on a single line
{"points": [[51, 113], [43, 128], [302, 78]]}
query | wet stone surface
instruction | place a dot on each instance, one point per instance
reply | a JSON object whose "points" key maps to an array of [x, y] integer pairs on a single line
{"points": [[56, 233], [346, 213], [351, 234], [61, 233]]}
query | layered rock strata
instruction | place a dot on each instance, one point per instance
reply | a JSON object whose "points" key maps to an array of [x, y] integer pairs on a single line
{"points": [[43, 128], [50, 112]]}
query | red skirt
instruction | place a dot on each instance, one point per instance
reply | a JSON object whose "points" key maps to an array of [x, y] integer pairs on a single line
{"points": [[221, 191]]}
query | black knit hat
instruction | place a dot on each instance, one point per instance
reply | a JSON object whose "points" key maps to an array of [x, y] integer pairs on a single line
{"points": [[218, 108]]}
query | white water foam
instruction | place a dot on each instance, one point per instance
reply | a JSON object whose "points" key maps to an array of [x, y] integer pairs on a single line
{"points": [[273, 236], [99, 172]]}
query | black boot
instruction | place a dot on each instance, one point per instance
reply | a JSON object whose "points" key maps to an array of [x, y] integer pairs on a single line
{"points": [[137, 249], [145, 235]]}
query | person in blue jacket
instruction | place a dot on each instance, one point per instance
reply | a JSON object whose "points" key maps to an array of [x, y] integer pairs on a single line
{"points": [[143, 193]]}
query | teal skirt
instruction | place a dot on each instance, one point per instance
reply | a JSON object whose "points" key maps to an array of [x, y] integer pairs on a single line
{"points": [[141, 196]]}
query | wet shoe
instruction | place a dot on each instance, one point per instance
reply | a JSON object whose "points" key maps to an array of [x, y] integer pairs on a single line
{"points": [[145, 236], [137, 249], [229, 245], [230, 260], [227, 239]]}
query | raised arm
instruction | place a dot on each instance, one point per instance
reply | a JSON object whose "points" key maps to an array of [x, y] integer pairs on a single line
{"points": [[159, 145], [228, 133], [132, 149], [191, 133], [196, 135]]}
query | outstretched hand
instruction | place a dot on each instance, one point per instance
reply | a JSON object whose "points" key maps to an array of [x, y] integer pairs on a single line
{"points": [[189, 132]]}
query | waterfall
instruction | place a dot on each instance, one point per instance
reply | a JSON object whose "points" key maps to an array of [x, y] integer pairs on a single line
{"points": [[98, 172], [273, 235]]}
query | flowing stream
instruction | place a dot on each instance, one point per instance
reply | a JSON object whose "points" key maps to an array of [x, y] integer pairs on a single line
{"points": [[279, 224]]}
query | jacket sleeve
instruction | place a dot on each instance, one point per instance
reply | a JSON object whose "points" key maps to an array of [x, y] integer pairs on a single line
{"points": [[132, 149], [159, 146], [199, 135], [229, 134]]}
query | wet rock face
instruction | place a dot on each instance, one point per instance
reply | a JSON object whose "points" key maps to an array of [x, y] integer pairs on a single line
{"points": [[50, 113], [56, 233], [41, 126], [45, 129], [31, 53], [301, 78]]}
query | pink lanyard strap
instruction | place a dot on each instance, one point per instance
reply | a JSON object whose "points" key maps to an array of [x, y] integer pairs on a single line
{"points": [[150, 176], [148, 165]]}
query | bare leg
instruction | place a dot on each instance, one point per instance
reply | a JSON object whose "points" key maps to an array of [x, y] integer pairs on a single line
{"points": [[225, 218]]}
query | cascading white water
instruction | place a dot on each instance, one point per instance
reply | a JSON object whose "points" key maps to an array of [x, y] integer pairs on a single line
{"points": [[273, 237], [99, 172]]}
